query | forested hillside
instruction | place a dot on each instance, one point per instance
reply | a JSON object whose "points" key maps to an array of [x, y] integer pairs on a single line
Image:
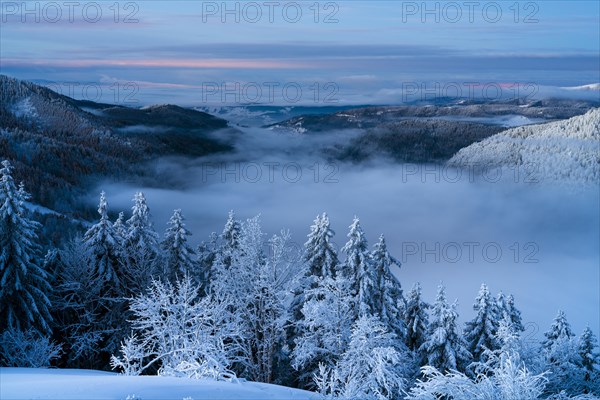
{"points": [[59, 148]]}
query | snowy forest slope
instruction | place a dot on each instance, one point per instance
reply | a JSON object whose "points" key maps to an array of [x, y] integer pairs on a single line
{"points": [[562, 151]]}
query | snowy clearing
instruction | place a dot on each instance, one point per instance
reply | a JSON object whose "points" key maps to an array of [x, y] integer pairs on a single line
{"points": [[67, 384]]}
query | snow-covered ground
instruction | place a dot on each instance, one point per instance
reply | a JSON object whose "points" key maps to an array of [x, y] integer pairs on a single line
{"points": [[73, 384]]}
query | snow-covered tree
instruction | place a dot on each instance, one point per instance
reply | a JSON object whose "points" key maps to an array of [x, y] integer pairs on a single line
{"points": [[24, 284], [105, 253], [590, 361], [206, 255], [235, 274], [260, 287], [416, 319], [179, 334], [374, 366], [110, 279], [77, 306], [444, 348], [560, 329], [119, 226], [387, 302], [268, 314], [480, 333], [359, 269], [141, 245], [320, 261], [178, 255], [326, 327], [563, 360], [320, 255], [230, 238], [506, 308], [509, 381]]}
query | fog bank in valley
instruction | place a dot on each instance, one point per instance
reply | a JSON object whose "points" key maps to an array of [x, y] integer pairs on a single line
{"points": [[537, 241]]}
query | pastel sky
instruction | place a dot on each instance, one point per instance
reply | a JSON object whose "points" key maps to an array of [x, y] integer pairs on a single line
{"points": [[195, 52]]}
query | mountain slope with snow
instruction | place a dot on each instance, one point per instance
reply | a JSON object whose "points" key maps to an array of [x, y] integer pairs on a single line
{"points": [[25, 383], [563, 151]]}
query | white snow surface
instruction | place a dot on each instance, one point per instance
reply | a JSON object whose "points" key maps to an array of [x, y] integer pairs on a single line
{"points": [[75, 384], [564, 151]]}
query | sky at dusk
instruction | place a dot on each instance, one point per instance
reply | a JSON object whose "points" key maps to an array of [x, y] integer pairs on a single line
{"points": [[345, 52]]}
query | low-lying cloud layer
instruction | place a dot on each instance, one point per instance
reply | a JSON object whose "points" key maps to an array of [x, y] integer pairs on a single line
{"points": [[539, 242]]}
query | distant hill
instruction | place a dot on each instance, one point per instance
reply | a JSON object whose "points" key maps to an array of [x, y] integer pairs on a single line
{"points": [[58, 145], [563, 151]]}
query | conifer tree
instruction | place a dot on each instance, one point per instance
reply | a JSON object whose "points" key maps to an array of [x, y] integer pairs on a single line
{"points": [[178, 255], [320, 254], [560, 329], [359, 270], [387, 302], [416, 319], [563, 360], [141, 246], [444, 348], [24, 284], [590, 361], [507, 310], [480, 333], [105, 255], [230, 239]]}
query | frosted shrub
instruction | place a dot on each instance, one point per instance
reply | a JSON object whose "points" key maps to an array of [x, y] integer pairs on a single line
{"points": [[27, 349]]}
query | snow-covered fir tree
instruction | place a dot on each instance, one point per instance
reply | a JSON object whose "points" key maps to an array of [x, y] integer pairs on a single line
{"points": [[416, 320], [320, 262], [177, 253], [103, 319], [480, 333], [141, 245], [590, 361], [24, 284], [326, 327], [562, 358], [359, 270], [77, 306], [230, 238], [119, 226], [507, 309], [387, 302], [320, 255], [105, 255], [444, 348], [374, 366], [560, 329]]}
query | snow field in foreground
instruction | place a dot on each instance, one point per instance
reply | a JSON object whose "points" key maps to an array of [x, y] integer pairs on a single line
{"points": [[73, 384]]}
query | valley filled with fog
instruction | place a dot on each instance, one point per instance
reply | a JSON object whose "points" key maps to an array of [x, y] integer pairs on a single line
{"points": [[509, 228]]}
